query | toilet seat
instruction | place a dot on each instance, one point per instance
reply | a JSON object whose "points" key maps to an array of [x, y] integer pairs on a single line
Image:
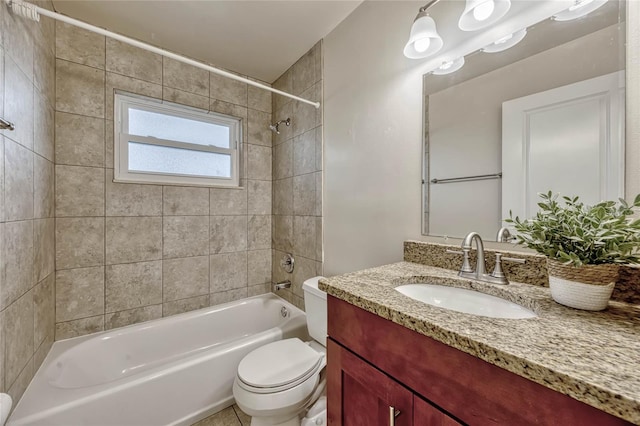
{"points": [[291, 363]]}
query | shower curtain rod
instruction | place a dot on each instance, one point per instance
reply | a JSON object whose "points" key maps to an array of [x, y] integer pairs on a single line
{"points": [[31, 11]]}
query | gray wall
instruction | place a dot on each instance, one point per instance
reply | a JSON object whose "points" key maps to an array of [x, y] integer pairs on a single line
{"points": [[127, 253], [297, 175], [373, 141], [27, 279]]}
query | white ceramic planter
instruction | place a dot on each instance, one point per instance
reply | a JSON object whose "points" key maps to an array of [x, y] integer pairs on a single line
{"points": [[579, 295]]}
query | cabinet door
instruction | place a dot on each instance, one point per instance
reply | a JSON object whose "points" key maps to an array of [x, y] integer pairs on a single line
{"points": [[425, 414], [361, 395]]}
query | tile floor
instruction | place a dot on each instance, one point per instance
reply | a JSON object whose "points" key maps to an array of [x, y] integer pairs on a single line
{"points": [[231, 416]]}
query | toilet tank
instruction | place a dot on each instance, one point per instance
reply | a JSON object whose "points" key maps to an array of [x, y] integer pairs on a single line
{"points": [[315, 303]]}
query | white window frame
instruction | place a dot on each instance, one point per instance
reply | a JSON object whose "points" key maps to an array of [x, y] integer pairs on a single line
{"points": [[122, 103]]}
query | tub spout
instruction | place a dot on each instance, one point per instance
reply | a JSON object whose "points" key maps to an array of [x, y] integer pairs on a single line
{"points": [[282, 285]]}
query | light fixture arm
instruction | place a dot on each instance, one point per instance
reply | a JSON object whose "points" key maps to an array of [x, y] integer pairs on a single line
{"points": [[428, 5]]}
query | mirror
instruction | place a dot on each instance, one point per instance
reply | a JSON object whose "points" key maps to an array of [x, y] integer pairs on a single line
{"points": [[546, 114]]}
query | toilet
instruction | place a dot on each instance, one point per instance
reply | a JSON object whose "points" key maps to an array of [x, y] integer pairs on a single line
{"points": [[277, 383]]}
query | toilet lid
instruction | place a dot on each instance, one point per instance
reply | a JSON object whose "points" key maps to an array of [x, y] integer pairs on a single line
{"points": [[279, 363]]}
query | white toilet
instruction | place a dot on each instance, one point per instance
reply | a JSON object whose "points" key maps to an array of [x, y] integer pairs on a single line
{"points": [[278, 382]]}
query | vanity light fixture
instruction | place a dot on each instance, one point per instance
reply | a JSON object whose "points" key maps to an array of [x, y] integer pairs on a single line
{"points": [[479, 14], [424, 39], [449, 67], [579, 9], [505, 42]]}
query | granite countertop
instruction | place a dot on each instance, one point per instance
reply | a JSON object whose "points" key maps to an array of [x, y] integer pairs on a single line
{"points": [[593, 357]]}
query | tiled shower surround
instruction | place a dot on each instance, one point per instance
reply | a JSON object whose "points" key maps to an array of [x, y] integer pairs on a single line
{"points": [[127, 253], [27, 278], [297, 175], [80, 253]]}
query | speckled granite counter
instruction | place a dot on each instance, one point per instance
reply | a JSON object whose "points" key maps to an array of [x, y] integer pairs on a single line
{"points": [[593, 357]]}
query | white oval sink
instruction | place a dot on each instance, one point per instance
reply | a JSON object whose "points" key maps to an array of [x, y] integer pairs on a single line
{"points": [[464, 300]]}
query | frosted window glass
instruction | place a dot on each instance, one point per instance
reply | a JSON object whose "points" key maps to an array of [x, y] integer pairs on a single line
{"points": [[168, 160], [163, 126]]}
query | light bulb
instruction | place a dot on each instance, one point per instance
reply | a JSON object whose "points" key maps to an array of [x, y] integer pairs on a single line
{"points": [[484, 10], [421, 45], [424, 39]]}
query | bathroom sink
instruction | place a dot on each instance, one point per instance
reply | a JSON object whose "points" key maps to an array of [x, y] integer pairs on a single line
{"points": [[464, 300]]}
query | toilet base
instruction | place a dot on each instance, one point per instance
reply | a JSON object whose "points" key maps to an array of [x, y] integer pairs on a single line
{"points": [[317, 414]]}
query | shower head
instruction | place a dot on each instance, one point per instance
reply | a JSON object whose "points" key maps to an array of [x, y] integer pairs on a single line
{"points": [[275, 127]]}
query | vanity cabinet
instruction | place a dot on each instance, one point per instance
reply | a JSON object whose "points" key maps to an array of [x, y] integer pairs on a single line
{"points": [[365, 396], [375, 366]]}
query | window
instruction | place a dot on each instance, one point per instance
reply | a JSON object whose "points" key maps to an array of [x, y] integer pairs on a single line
{"points": [[158, 142]]}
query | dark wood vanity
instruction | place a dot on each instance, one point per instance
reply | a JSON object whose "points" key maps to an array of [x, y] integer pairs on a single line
{"points": [[381, 373]]}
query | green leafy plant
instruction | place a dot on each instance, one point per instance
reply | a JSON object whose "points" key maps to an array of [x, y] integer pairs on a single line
{"points": [[574, 233]]}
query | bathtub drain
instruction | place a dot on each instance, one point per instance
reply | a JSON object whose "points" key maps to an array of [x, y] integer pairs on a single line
{"points": [[284, 312]]}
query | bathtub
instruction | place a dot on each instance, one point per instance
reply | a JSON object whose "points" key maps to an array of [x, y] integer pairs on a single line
{"points": [[170, 371]]}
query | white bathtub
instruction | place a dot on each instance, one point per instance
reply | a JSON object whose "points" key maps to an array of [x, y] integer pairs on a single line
{"points": [[170, 371]]}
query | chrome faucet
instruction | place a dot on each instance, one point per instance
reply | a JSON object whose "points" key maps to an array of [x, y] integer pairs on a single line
{"points": [[480, 274], [504, 236], [282, 285], [467, 245]]}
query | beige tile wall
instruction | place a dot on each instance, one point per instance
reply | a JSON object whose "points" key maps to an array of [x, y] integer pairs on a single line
{"points": [[127, 253], [27, 278], [89, 254], [297, 175]]}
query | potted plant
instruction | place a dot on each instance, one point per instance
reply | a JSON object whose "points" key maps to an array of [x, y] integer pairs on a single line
{"points": [[584, 246]]}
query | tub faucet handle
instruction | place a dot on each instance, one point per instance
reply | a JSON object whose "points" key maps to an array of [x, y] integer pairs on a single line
{"points": [[287, 263]]}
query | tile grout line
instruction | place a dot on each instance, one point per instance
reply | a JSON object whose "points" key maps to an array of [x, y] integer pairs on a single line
{"points": [[31, 150], [237, 415], [104, 226], [55, 219], [162, 251], [162, 85], [209, 271]]}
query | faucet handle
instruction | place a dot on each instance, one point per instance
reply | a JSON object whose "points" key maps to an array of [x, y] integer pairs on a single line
{"points": [[497, 270], [512, 259], [466, 266]]}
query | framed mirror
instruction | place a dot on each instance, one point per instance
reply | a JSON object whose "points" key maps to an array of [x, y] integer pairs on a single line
{"points": [[545, 114]]}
